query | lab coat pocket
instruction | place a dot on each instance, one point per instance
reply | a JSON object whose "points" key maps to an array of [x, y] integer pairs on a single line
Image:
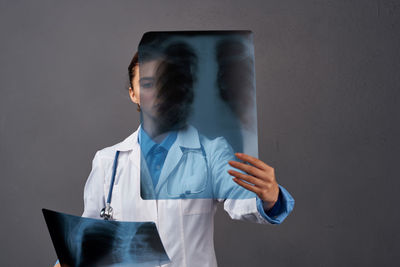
{"points": [[189, 178], [119, 172], [196, 206]]}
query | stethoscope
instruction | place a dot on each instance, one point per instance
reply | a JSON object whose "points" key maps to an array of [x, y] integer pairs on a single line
{"points": [[107, 211]]}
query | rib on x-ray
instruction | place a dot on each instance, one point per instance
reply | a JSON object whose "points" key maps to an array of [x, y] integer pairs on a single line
{"points": [[198, 107]]}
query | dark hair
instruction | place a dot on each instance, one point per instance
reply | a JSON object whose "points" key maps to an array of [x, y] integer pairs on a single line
{"points": [[144, 55], [131, 68]]}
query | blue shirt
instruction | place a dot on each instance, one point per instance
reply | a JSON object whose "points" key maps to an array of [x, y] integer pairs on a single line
{"points": [[154, 153]]}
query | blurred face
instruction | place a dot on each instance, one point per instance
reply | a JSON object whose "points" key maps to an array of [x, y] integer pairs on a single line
{"points": [[144, 91]]}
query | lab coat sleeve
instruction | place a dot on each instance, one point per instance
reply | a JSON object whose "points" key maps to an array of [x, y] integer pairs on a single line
{"points": [[240, 203], [93, 195]]}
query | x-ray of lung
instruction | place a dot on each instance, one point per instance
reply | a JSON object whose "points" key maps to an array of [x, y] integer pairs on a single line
{"points": [[198, 107], [82, 242]]}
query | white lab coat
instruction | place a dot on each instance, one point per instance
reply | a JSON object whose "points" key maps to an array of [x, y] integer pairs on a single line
{"points": [[186, 226]]}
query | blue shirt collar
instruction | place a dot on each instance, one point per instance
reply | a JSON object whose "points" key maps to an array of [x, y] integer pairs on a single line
{"points": [[186, 138], [147, 144]]}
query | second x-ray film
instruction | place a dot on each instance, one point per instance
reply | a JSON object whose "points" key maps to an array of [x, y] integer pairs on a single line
{"points": [[82, 242]]}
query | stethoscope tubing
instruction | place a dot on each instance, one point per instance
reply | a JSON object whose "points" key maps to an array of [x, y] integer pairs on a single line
{"points": [[107, 211], [113, 177]]}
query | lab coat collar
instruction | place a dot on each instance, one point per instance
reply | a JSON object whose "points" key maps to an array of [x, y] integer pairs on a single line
{"points": [[187, 138]]}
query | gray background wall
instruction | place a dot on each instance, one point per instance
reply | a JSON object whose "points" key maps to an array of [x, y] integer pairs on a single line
{"points": [[328, 75]]}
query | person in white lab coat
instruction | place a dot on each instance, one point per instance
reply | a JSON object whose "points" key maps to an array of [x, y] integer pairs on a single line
{"points": [[185, 223]]}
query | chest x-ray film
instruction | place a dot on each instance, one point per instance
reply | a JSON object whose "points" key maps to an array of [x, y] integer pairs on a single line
{"points": [[82, 242], [198, 107]]}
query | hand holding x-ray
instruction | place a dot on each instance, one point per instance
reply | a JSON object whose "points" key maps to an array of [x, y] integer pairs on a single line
{"points": [[260, 178]]}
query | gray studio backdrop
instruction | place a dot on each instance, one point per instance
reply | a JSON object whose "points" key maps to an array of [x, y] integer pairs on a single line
{"points": [[328, 75]]}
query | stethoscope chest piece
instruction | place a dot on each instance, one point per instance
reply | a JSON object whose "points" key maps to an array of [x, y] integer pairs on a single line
{"points": [[107, 212]]}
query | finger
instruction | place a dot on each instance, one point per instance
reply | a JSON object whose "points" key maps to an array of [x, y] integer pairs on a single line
{"points": [[251, 179], [247, 186], [254, 161], [247, 168]]}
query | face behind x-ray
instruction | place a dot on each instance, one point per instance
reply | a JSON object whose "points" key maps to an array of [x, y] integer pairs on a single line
{"points": [[198, 107]]}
